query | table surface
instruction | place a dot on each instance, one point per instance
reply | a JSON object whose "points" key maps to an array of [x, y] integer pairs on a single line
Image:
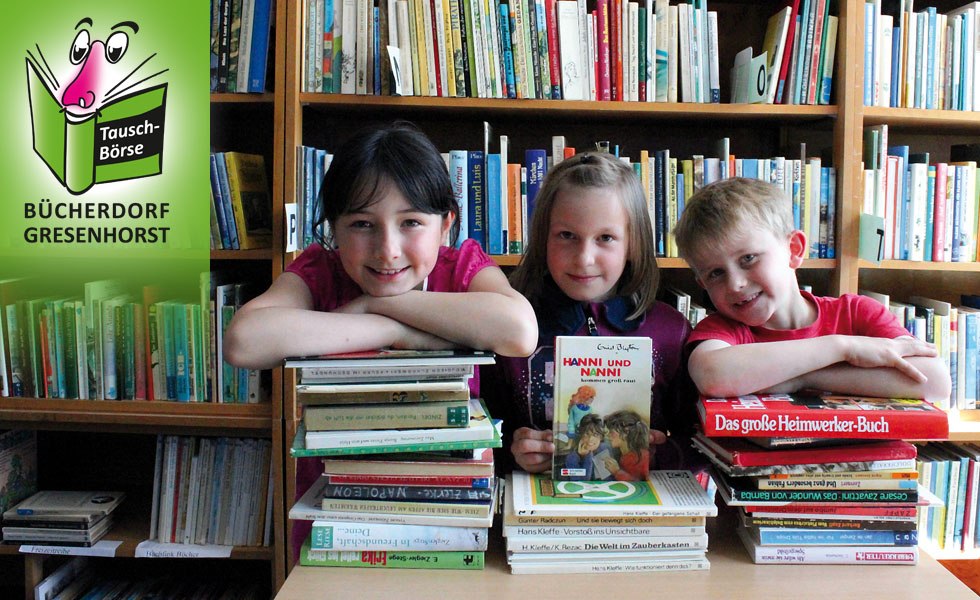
{"points": [[732, 575]]}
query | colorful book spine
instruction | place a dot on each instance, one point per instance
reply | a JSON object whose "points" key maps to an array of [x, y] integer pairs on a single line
{"points": [[382, 559], [406, 493], [339, 535]]}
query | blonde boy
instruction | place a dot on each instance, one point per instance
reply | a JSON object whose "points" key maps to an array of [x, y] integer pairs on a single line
{"points": [[769, 336]]}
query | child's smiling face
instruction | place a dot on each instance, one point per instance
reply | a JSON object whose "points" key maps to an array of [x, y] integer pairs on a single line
{"points": [[389, 247]]}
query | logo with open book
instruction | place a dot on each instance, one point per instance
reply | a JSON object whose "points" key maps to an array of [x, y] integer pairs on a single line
{"points": [[97, 124]]}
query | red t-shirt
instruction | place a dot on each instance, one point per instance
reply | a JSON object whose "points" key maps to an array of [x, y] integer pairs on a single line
{"points": [[848, 315]]}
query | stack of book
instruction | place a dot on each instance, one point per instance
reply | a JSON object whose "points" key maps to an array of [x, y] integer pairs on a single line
{"points": [[61, 518], [821, 479], [606, 527], [408, 466]]}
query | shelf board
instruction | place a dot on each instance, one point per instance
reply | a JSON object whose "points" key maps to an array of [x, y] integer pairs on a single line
{"points": [[582, 108], [921, 118], [136, 415], [913, 265], [257, 254], [244, 98], [964, 426]]}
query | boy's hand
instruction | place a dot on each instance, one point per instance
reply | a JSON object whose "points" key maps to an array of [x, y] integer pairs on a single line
{"points": [[870, 352], [533, 449]]}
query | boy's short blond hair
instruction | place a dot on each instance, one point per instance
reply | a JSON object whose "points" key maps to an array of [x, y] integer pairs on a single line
{"points": [[722, 209]]}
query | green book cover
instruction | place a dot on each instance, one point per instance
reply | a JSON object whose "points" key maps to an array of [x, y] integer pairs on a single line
{"points": [[121, 140], [390, 559]]}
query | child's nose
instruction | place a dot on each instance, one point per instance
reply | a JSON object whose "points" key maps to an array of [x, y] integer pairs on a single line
{"points": [[389, 246]]}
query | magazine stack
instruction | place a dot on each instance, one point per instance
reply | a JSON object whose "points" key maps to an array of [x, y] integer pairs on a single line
{"points": [[819, 478], [408, 477], [61, 518], [657, 524]]}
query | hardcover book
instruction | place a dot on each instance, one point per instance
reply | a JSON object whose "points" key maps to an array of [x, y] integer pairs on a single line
{"points": [[329, 394], [478, 464], [387, 364], [48, 503], [663, 493], [739, 458], [387, 416], [602, 407], [823, 415]]}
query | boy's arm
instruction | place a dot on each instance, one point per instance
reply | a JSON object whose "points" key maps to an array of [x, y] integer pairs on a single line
{"points": [[721, 370], [884, 382], [281, 322], [491, 315]]}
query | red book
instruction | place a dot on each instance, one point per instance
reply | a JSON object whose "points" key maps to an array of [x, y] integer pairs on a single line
{"points": [[739, 453], [788, 51], [823, 415], [939, 214], [603, 81], [615, 49], [554, 61], [414, 465], [411, 480]]}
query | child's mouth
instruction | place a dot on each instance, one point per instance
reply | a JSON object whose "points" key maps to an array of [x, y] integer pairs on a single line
{"points": [[747, 301]]}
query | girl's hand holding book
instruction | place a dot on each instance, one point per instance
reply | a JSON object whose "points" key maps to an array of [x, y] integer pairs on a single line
{"points": [[532, 449]]}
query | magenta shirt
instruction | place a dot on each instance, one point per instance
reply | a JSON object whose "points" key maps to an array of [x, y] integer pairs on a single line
{"points": [[332, 288]]}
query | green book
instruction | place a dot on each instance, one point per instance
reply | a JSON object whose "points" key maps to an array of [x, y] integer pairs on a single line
{"points": [[122, 139], [383, 559]]}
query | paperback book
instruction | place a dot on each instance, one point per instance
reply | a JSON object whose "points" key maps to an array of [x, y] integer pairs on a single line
{"points": [[67, 504], [827, 555], [389, 365], [340, 535], [382, 559], [480, 433], [663, 493], [602, 407], [782, 536], [387, 416], [479, 464], [822, 415], [407, 493]]}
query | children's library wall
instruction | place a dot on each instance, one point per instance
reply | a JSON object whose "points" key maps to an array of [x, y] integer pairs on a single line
{"points": [[681, 128]]}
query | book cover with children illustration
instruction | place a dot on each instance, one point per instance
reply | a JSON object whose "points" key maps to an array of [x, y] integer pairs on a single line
{"points": [[602, 408]]}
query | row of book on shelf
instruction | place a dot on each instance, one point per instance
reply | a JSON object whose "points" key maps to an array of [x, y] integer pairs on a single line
{"points": [[112, 343], [921, 59], [241, 210], [215, 491], [955, 330], [648, 51], [497, 197], [241, 35], [930, 210]]}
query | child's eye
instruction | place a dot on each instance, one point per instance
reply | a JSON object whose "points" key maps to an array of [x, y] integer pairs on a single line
{"points": [[411, 223], [748, 259], [360, 224], [715, 274], [566, 235], [606, 238]]}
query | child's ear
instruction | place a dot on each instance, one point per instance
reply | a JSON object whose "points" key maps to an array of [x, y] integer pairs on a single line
{"points": [[447, 226], [797, 248]]}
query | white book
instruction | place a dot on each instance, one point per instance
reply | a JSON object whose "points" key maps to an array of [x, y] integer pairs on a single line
{"points": [[439, 21], [884, 60], [477, 47], [631, 531], [918, 179], [560, 567], [684, 38], [672, 53], [584, 60], [714, 84], [582, 558], [61, 578], [348, 51], [430, 49], [404, 47], [67, 504], [777, 29], [971, 61], [665, 493], [342, 535], [828, 555], [309, 508], [480, 428], [574, 80], [606, 543], [492, 26], [362, 49]]}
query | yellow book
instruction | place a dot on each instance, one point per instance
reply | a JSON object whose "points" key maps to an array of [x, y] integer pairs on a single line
{"points": [[807, 181], [672, 215], [419, 50], [449, 52], [645, 175], [250, 201]]}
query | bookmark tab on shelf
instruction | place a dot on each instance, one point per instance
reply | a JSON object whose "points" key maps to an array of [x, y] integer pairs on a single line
{"points": [[102, 548]]}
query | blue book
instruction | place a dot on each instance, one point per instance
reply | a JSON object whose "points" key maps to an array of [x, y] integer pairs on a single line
{"points": [[376, 76], [807, 18], [181, 354], [328, 46], [259, 52], [921, 23], [958, 173], [832, 213], [970, 359], [824, 212], [536, 162], [869, 54], [962, 462], [169, 351], [458, 171], [896, 50], [901, 247], [680, 193], [930, 211], [660, 163], [930, 50], [836, 537], [475, 199], [495, 206], [226, 199], [505, 41], [219, 204], [310, 190], [750, 168]]}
